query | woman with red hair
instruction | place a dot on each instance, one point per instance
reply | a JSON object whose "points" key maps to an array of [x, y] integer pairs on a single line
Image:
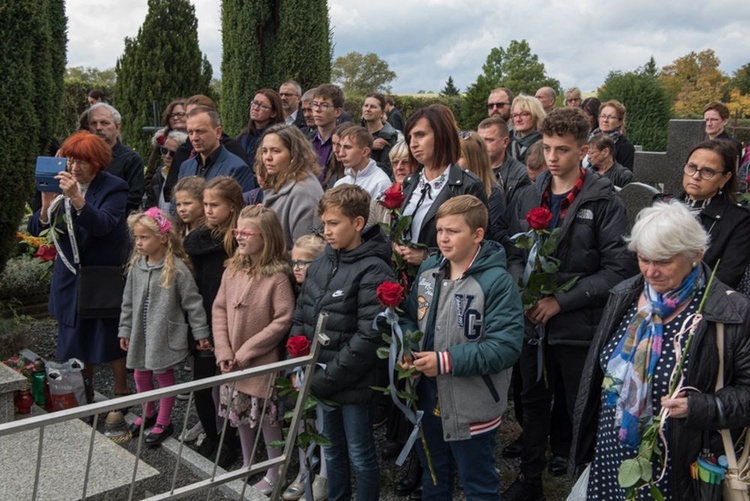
{"points": [[90, 220]]}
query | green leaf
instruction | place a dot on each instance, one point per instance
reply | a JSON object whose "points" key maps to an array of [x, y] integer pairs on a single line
{"points": [[414, 337], [406, 396], [380, 389], [550, 267], [383, 353], [567, 285], [277, 444], [630, 473], [656, 493], [523, 240], [320, 439], [401, 226], [388, 339], [646, 469]]}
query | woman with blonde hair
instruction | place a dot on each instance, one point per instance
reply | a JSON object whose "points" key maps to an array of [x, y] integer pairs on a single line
{"points": [[527, 114]]}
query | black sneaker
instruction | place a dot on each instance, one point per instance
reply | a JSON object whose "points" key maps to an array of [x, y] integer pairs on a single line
{"points": [[227, 455], [513, 450], [523, 489], [558, 466], [207, 449]]}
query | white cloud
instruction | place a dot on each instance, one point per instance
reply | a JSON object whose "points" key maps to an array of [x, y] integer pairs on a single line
{"points": [[424, 42]]}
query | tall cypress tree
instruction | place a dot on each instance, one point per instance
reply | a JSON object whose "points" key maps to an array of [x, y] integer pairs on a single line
{"points": [[19, 122], [161, 63], [266, 42]]}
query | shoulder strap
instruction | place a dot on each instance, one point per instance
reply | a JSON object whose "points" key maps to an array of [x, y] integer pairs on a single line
{"points": [[726, 437]]}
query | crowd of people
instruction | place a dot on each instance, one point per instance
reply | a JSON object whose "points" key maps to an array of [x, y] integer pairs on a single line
{"points": [[238, 244]]}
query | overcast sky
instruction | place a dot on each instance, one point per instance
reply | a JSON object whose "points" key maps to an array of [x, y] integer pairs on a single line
{"points": [[579, 41]]}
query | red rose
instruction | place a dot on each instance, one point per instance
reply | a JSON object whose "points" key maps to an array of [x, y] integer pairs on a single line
{"points": [[298, 346], [539, 218], [389, 294], [393, 197], [46, 252]]}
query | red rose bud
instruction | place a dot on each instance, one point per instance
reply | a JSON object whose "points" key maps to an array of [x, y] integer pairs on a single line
{"points": [[389, 294], [393, 197], [46, 252], [539, 218], [298, 346]]}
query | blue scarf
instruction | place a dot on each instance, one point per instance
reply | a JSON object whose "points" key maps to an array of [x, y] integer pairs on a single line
{"points": [[630, 371]]}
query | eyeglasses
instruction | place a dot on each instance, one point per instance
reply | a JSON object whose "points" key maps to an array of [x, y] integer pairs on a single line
{"points": [[287, 94], [166, 151], [298, 264], [705, 172], [178, 114], [321, 106], [499, 104], [523, 114], [464, 134], [609, 117], [258, 104], [243, 235]]}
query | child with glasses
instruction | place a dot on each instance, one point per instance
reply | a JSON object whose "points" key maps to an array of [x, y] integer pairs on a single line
{"points": [[306, 249], [252, 314]]}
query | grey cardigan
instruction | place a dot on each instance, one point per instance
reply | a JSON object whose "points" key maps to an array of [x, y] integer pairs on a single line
{"points": [[169, 312], [296, 205]]}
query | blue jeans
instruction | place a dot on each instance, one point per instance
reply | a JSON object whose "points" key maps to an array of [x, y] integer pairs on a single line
{"points": [[349, 428], [474, 457]]}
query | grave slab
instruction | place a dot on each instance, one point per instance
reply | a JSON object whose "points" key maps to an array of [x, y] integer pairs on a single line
{"points": [[10, 381]]}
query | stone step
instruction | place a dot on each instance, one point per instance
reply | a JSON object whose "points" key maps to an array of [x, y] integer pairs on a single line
{"points": [[63, 464]]}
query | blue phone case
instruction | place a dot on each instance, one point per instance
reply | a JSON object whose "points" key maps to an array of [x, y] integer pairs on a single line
{"points": [[46, 170]]}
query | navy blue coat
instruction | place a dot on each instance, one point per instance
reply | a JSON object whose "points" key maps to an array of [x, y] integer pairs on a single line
{"points": [[102, 238], [227, 164]]}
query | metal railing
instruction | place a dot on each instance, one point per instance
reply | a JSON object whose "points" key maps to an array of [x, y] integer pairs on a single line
{"points": [[206, 485]]}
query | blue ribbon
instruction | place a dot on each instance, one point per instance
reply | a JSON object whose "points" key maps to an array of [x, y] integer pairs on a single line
{"points": [[396, 352]]}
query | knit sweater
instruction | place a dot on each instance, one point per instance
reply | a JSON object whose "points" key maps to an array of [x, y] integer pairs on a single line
{"points": [[165, 340], [251, 317]]}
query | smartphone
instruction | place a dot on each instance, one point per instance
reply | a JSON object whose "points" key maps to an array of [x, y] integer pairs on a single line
{"points": [[46, 170]]}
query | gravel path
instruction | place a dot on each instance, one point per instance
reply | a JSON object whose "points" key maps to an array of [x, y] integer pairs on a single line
{"points": [[41, 340]]}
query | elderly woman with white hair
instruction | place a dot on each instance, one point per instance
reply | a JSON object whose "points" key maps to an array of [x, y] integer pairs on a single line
{"points": [[635, 355]]}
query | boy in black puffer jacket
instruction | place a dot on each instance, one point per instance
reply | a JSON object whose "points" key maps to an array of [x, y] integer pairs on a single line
{"points": [[342, 282]]}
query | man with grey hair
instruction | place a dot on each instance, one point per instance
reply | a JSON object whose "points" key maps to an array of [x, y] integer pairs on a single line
{"points": [[291, 92], [306, 108], [547, 96], [104, 121], [212, 158]]}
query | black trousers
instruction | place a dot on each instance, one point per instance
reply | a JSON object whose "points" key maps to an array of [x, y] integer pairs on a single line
{"points": [[563, 366], [204, 367]]}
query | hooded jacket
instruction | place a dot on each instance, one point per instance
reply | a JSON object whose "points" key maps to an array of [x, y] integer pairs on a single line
{"points": [[475, 324], [382, 157], [342, 283], [707, 409], [591, 247]]}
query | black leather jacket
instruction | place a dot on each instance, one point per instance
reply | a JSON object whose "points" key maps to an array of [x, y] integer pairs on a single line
{"points": [[707, 410]]}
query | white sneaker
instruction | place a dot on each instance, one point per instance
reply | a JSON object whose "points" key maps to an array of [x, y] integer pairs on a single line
{"points": [[320, 488], [192, 434]]}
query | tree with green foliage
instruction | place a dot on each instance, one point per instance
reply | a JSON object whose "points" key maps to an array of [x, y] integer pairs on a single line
{"points": [[28, 27], [741, 79], [161, 63], [693, 81], [647, 102], [265, 43], [78, 82], [516, 68], [362, 73], [450, 88]]}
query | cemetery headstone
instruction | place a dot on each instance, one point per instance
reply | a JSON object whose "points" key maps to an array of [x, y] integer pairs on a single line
{"points": [[663, 170], [636, 196]]}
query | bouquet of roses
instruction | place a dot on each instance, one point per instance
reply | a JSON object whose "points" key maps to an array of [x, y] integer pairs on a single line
{"points": [[399, 344], [540, 277], [392, 199]]}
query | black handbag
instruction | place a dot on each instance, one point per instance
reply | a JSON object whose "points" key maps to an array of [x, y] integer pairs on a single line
{"points": [[100, 291]]}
